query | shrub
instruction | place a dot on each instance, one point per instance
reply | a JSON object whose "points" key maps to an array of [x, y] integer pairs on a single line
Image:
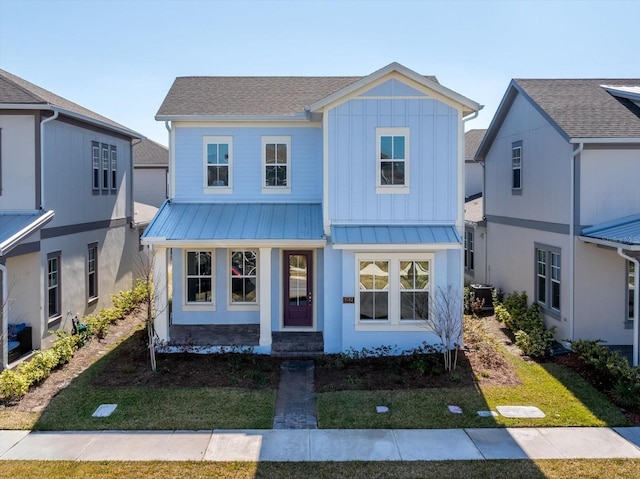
{"points": [[501, 313], [12, 385], [66, 345], [97, 324], [40, 366]]}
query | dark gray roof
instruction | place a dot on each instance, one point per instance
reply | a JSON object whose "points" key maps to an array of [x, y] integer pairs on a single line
{"points": [[148, 152], [17, 91], [583, 108], [472, 139], [249, 96]]}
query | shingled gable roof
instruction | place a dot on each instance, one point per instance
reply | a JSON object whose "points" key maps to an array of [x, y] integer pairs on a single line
{"points": [[237, 97], [472, 140], [149, 153], [577, 108], [17, 93]]}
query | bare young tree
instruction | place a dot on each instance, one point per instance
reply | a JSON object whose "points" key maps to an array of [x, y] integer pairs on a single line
{"points": [[446, 321]]}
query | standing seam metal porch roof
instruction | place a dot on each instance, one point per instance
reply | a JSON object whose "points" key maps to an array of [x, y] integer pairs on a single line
{"points": [[224, 222], [393, 234], [624, 231], [16, 226]]}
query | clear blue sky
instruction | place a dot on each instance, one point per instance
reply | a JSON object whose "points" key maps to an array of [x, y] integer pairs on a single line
{"points": [[119, 58]]}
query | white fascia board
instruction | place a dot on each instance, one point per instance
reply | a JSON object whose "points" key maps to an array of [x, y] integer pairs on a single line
{"points": [[604, 140], [404, 71], [397, 247], [231, 243], [13, 241], [610, 244]]}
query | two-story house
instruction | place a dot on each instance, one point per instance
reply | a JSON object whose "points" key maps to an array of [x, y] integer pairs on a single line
{"points": [[65, 211], [323, 208], [562, 168], [150, 172]]}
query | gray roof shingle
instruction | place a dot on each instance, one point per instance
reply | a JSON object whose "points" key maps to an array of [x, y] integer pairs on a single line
{"points": [[148, 152], [472, 140], [18, 91], [249, 96], [582, 108]]}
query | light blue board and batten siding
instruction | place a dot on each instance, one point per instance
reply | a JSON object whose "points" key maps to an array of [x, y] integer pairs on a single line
{"points": [[305, 164], [433, 162]]}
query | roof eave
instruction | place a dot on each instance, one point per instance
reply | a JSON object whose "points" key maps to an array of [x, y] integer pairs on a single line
{"points": [[610, 243], [604, 140], [395, 246], [235, 118], [226, 243], [78, 116]]}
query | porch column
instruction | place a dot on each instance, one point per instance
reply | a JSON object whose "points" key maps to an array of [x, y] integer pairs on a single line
{"points": [[265, 296], [160, 295]]}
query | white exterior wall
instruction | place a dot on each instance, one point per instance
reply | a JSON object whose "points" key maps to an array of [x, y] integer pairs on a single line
{"points": [[545, 169], [472, 178], [25, 280], [150, 185], [600, 300], [18, 156], [609, 184]]}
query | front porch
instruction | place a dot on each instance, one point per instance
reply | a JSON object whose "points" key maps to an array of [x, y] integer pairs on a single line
{"points": [[213, 337]]}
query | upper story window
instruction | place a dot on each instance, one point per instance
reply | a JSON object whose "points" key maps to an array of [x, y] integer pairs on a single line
{"points": [[104, 168], [392, 166], [218, 160], [516, 167], [276, 164]]}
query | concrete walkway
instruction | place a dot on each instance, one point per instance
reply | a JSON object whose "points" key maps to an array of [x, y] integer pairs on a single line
{"points": [[324, 445]]}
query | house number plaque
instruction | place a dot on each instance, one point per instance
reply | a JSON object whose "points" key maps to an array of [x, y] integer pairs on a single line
{"points": [[348, 300]]}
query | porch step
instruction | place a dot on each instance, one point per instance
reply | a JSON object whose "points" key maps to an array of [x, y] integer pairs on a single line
{"points": [[296, 345]]}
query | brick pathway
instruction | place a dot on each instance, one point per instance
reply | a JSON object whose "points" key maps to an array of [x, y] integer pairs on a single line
{"points": [[296, 398]]}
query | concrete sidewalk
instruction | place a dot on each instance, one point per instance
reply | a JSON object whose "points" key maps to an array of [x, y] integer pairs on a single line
{"points": [[324, 444]]}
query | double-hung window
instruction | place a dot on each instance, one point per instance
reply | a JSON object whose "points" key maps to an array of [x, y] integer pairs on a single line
{"points": [[95, 158], [199, 277], [244, 276], [92, 271], [468, 250], [393, 290], [218, 164], [114, 168], [548, 277], [106, 165], [53, 286], [276, 164], [516, 167], [392, 164]]}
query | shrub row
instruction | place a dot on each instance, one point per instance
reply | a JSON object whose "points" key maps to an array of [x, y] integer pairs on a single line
{"points": [[613, 370], [15, 383], [526, 323]]}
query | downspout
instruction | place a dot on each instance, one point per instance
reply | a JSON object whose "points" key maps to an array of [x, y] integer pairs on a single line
{"points": [[172, 168], [636, 302], [461, 181], [42, 148], [572, 247], [5, 316]]}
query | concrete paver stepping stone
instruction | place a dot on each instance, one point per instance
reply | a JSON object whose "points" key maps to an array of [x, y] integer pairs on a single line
{"points": [[520, 411]]}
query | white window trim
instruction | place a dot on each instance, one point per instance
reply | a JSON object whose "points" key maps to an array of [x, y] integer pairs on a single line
{"points": [[516, 146], [393, 189], [208, 306], [96, 168], [113, 167], [469, 251], [92, 299], [237, 306], [217, 190], [547, 305], [630, 292], [270, 190], [394, 323]]}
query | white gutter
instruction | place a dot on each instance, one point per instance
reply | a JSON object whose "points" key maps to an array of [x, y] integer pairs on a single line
{"points": [[636, 302], [603, 140], [239, 118], [572, 247], [42, 145], [5, 316]]}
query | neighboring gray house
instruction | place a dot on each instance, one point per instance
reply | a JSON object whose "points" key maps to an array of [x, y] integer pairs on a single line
{"points": [[472, 169], [562, 203], [66, 207], [150, 172]]}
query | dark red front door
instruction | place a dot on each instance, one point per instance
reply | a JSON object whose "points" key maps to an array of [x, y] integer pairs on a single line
{"points": [[298, 286]]}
